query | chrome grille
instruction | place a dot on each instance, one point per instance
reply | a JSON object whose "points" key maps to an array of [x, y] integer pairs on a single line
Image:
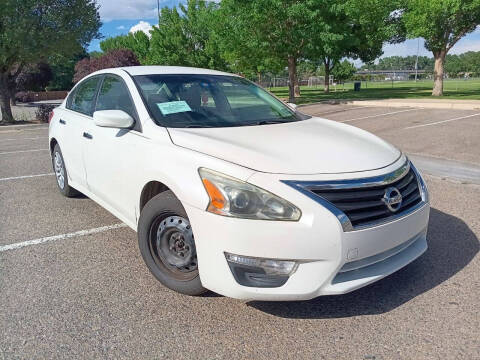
{"points": [[365, 205], [360, 203]]}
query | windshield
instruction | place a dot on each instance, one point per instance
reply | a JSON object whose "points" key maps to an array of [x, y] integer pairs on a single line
{"points": [[181, 101]]}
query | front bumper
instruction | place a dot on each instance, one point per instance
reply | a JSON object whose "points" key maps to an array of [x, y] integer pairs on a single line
{"points": [[331, 259], [317, 242]]}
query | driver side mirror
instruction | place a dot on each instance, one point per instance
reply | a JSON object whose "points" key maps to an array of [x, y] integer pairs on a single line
{"points": [[113, 119], [292, 106]]}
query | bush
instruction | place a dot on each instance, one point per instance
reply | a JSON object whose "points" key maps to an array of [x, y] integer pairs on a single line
{"points": [[112, 59], [43, 112], [24, 96]]}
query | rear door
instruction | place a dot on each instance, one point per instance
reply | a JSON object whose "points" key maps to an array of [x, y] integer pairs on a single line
{"points": [[75, 121]]}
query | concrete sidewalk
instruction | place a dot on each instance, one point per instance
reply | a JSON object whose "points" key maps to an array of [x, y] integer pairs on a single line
{"points": [[422, 103], [414, 103]]}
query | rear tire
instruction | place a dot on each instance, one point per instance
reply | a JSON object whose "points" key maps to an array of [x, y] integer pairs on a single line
{"points": [[167, 245], [61, 173]]}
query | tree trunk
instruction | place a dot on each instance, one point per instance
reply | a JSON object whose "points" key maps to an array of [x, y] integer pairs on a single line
{"points": [[438, 73], [5, 108], [293, 88], [13, 101], [296, 87], [326, 86]]}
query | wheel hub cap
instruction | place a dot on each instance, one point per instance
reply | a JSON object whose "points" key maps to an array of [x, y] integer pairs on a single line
{"points": [[59, 170], [175, 243]]}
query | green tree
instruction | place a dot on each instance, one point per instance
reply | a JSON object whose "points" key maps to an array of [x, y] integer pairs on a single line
{"points": [[344, 71], [186, 37], [33, 30], [401, 63], [63, 68], [34, 77], [242, 52], [353, 28], [441, 23], [94, 54], [138, 42], [270, 31], [454, 65], [471, 62], [307, 68]]}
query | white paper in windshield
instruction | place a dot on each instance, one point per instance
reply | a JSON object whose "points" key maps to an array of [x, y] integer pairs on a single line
{"points": [[173, 107]]}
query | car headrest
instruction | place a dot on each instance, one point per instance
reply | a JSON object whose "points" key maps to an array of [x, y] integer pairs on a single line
{"points": [[192, 96]]}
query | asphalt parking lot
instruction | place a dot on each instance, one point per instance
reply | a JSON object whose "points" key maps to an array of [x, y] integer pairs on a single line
{"points": [[73, 284]]}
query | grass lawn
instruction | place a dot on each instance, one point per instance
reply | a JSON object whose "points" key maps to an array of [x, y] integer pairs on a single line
{"points": [[453, 89]]}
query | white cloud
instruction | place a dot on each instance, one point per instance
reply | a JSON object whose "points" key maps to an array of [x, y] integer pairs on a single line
{"points": [[142, 26], [121, 27]]}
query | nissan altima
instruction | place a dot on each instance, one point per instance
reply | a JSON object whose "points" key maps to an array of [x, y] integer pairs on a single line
{"points": [[232, 190]]}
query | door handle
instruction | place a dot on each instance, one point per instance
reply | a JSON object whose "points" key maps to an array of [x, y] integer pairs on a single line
{"points": [[63, 122], [87, 135]]}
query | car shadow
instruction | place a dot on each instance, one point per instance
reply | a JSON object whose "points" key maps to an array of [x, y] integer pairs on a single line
{"points": [[452, 245]]}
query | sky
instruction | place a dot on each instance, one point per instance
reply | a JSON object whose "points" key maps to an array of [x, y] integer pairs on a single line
{"points": [[121, 16]]}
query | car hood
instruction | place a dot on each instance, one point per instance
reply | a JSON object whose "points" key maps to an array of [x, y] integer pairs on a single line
{"points": [[313, 146]]}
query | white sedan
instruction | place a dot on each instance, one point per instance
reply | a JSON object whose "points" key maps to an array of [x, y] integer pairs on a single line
{"points": [[234, 191]]}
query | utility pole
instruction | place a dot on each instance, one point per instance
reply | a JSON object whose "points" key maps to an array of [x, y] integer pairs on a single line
{"points": [[416, 61]]}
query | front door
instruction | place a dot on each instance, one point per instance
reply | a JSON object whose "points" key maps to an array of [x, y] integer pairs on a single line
{"points": [[110, 157]]}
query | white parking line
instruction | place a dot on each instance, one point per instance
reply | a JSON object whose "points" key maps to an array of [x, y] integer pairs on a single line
{"points": [[335, 111], [441, 122], [60, 237], [25, 177], [21, 151], [22, 125], [377, 115], [20, 130], [37, 129], [20, 139]]}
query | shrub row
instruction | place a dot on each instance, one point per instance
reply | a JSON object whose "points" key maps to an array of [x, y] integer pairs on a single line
{"points": [[43, 112]]}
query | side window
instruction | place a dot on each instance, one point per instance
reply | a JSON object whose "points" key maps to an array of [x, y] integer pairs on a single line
{"points": [[114, 95], [84, 96], [71, 95]]}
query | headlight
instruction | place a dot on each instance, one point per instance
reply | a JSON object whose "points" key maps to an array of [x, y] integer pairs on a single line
{"points": [[236, 198], [422, 184]]}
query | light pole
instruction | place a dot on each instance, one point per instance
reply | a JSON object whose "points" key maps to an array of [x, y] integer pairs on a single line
{"points": [[416, 60]]}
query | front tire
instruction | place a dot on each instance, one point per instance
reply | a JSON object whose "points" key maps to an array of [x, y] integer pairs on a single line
{"points": [[61, 173], [167, 244]]}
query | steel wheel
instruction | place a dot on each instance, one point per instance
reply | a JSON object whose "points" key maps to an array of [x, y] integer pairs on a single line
{"points": [[59, 169], [172, 246], [167, 244]]}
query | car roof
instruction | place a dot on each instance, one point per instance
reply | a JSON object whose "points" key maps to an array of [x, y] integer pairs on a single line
{"points": [[154, 70]]}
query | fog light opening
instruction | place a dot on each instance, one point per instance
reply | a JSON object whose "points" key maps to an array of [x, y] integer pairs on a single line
{"points": [[270, 266], [260, 272]]}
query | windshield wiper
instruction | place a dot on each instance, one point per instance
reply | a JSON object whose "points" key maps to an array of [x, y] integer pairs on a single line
{"points": [[268, 122], [198, 126]]}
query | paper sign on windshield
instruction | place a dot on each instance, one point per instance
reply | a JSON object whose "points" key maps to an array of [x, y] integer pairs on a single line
{"points": [[173, 107]]}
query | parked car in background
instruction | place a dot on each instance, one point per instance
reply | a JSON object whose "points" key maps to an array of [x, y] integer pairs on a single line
{"points": [[234, 191]]}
